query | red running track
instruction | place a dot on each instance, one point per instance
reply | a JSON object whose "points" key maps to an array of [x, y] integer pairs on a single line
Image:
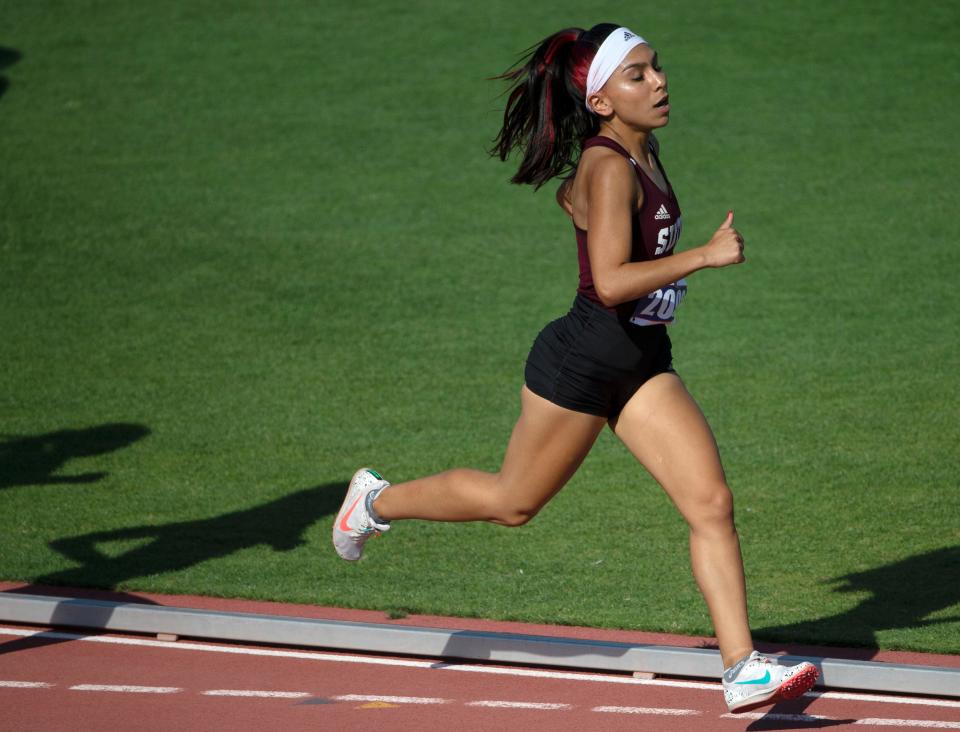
{"points": [[69, 681]]}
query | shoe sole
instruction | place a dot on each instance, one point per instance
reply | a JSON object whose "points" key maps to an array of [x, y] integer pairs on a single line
{"points": [[792, 688], [347, 501]]}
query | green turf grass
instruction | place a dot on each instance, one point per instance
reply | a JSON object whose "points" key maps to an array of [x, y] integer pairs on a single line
{"points": [[246, 252]]}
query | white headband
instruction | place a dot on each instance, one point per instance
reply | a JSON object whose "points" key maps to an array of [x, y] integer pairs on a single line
{"points": [[611, 52]]}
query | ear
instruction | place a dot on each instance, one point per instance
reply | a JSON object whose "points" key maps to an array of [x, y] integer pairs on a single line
{"points": [[600, 104]]}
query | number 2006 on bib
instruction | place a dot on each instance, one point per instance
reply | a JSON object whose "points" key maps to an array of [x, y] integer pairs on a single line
{"points": [[659, 306]]}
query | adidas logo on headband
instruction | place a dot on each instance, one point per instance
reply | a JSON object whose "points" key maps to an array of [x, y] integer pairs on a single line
{"points": [[608, 57]]}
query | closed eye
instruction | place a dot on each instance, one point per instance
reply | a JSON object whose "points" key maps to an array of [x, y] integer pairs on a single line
{"points": [[655, 68], [638, 67]]}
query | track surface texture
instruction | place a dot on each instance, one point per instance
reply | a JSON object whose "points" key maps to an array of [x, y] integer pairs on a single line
{"points": [[53, 680]]}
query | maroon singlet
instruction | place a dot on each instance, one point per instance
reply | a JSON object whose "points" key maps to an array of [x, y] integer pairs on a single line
{"points": [[656, 230]]}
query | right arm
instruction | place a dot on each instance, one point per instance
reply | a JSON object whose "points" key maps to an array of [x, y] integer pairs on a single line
{"points": [[611, 197]]}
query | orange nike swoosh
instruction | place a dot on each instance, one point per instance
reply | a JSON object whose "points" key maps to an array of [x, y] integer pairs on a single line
{"points": [[343, 521]]}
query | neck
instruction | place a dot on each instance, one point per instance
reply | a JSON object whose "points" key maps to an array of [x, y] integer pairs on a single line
{"points": [[635, 141]]}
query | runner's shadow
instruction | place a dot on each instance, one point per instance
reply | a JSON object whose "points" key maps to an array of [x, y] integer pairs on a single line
{"points": [[802, 721], [279, 524], [36, 459], [8, 57], [159, 549], [902, 595]]}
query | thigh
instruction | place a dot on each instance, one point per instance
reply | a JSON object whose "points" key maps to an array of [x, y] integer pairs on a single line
{"points": [[548, 444], [665, 430]]}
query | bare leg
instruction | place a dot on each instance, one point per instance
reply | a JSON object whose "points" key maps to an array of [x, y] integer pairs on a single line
{"points": [[546, 448], [666, 431]]}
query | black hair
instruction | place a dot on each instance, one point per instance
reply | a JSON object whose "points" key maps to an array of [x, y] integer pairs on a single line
{"points": [[545, 116]]}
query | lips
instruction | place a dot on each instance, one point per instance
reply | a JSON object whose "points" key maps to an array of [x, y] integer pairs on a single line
{"points": [[663, 102]]}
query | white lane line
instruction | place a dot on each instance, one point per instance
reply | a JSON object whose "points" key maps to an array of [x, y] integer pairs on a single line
{"points": [[390, 699], [345, 658], [517, 705], [338, 658], [26, 684], [123, 688], [646, 710], [925, 723], [257, 694], [887, 699], [570, 676], [850, 696]]}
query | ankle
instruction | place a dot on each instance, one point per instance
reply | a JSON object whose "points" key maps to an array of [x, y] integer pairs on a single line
{"points": [[734, 662], [372, 511]]}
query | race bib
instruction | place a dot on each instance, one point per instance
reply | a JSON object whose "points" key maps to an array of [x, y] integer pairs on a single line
{"points": [[658, 307]]}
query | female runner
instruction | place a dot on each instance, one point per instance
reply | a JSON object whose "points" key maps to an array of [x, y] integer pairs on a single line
{"points": [[589, 100]]}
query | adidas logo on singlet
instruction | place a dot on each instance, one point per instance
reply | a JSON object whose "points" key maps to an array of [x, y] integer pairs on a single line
{"points": [[662, 213]]}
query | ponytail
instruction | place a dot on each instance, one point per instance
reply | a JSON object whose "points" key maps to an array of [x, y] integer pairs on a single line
{"points": [[545, 116]]}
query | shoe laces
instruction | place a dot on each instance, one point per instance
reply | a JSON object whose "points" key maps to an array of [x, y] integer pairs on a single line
{"points": [[366, 527], [763, 659]]}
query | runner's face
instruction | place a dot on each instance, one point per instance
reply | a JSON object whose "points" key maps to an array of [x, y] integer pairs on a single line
{"points": [[636, 88]]}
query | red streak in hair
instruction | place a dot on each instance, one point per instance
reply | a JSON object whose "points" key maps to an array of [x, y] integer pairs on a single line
{"points": [[556, 42], [581, 58], [548, 114]]}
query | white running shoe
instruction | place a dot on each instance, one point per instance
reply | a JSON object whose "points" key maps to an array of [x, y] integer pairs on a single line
{"points": [[762, 681], [353, 525]]}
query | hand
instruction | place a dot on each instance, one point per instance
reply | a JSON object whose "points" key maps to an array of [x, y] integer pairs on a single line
{"points": [[725, 246]]}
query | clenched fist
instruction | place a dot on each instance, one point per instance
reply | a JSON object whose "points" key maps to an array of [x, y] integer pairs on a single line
{"points": [[725, 246]]}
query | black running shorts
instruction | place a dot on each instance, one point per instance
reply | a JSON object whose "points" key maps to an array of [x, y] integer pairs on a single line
{"points": [[590, 361]]}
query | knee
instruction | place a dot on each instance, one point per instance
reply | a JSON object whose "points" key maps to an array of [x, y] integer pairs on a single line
{"points": [[515, 515], [511, 508], [712, 508]]}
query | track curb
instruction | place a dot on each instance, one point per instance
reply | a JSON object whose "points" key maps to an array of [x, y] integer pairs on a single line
{"points": [[445, 643]]}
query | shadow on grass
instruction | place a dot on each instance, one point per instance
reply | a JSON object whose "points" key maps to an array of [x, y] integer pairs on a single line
{"points": [[163, 548], [902, 595], [35, 460], [8, 57]]}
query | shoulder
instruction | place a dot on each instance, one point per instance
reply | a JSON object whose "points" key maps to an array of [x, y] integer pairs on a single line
{"points": [[603, 167], [609, 185]]}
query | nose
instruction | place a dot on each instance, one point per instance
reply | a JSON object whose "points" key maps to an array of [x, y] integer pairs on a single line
{"points": [[660, 79]]}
